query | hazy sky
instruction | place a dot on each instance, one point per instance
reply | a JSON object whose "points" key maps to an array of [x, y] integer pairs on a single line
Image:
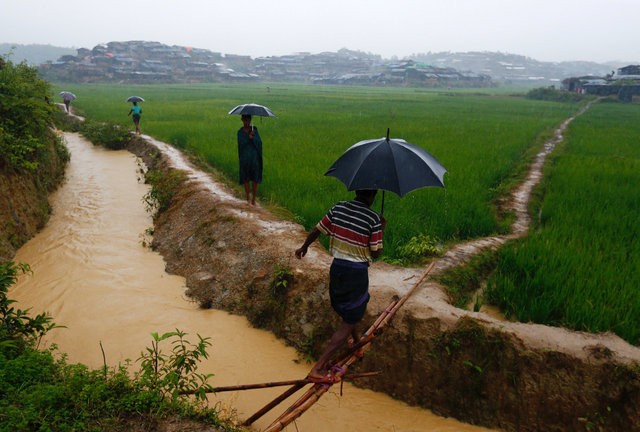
{"points": [[547, 30]]}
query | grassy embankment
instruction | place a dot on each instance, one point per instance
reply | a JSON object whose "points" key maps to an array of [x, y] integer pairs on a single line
{"points": [[485, 141]]}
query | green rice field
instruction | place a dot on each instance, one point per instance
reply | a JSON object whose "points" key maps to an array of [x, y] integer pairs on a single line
{"points": [[580, 267], [480, 139], [484, 138]]}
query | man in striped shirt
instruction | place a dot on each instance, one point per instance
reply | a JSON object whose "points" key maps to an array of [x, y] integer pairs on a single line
{"points": [[355, 239]]}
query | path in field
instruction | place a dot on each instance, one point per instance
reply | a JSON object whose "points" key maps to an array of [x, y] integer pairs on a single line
{"points": [[518, 204]]}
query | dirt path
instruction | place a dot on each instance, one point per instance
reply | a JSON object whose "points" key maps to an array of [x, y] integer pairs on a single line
{"points": [[518, 204], [514, 376]]}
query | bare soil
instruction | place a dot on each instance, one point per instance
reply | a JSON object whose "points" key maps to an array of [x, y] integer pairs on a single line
{"points": [[468, 365]]}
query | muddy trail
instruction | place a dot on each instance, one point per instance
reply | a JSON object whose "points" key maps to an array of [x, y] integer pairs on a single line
{"points": [[458, 363]]}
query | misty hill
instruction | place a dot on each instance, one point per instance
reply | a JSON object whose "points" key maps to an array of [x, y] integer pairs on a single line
{"points": [[33, 54], [154, 62], [517, 69]]}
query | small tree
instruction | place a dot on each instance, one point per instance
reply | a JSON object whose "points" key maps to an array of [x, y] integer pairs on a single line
{"points": [[26, 116], [17, 329]]}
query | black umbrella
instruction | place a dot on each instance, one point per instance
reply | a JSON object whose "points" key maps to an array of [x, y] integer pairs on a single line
{"points": [[135, 99], [253, 110], [389, 164]]}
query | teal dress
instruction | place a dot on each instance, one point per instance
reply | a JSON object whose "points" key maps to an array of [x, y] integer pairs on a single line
{"points": [[250, 156]]}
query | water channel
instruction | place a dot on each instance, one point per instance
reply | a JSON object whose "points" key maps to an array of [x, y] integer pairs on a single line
{"points": [[92, 273]]}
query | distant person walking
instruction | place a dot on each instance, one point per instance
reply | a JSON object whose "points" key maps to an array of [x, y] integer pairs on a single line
{"points": [[136, 110], [355, 233], [250, 156], [67, 97], [67, 102]]}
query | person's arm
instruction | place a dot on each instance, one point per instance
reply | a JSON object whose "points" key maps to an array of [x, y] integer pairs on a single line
{"points": [[378, 253], [311, 237]]}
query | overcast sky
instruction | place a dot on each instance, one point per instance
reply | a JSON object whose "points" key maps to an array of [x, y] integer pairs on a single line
{"points": [[546, 30]]}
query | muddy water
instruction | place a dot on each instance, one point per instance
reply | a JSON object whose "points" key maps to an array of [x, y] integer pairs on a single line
{"points": [[92, 273]]}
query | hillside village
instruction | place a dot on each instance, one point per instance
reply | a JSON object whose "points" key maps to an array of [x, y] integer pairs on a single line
{"points": [[149, 62], [154, 62]]}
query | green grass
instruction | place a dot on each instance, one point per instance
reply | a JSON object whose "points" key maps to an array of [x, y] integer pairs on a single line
{"points": [[580, 267], [481, 138]]}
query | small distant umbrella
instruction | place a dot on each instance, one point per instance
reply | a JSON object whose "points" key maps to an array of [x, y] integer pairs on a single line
{"points": [[67, 95], [135, 99], [388, 164]]}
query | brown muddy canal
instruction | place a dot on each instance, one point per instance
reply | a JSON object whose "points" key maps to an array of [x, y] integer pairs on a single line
{"points": [[92, 273]]}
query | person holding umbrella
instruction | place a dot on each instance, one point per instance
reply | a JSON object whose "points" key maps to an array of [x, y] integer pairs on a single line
{"points": [[136, 110], [355, 239], [67, 97], [250, 156]]}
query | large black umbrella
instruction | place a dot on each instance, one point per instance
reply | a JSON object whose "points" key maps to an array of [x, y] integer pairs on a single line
{"points": [[252, 110], [389, 164]]}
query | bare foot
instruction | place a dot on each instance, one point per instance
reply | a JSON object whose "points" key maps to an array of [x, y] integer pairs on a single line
{"points": [[350, 343]]}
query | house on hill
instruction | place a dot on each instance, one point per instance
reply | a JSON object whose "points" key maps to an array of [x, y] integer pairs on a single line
{"points": [[624, 83], [627, 72]]}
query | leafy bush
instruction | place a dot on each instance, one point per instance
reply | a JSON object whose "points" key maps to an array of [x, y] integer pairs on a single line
{"points": [[553, 95], [17, 329], [417, 249], [25, 117], [163, 188], [109, 135], [174, 375]]}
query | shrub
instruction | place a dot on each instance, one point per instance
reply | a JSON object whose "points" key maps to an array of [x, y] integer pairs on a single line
{"points": [[25, 117], [109, 135], [553, 95], [17, 329], [163, 188]]}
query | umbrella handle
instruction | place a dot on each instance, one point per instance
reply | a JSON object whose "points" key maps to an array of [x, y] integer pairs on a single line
{"points": [[382, 206]]}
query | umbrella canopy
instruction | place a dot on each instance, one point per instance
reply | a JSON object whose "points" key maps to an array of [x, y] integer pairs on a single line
{"points": [[253, 110], [67, 95], [389, 164], [135, 99]]}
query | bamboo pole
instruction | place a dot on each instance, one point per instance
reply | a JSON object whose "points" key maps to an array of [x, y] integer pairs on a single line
{"points": [[257, 386], [278, 383], [369, 335], [312, 395], [282, 397], [268, 407], [296, 412]]}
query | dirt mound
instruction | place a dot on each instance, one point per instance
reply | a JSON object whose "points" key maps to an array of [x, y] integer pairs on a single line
{"points": [[458, 363]]}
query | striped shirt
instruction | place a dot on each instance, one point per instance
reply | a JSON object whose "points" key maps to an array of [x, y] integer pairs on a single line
{"points": [[354, 231]]}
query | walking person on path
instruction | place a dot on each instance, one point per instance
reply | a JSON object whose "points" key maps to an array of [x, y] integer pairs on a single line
{"points": [[136, 110], [355, 233], [67, 102], [250, 156]]}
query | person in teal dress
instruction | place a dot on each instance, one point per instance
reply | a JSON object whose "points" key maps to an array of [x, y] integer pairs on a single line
{"points": [[250, 155], [136, 110]]}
